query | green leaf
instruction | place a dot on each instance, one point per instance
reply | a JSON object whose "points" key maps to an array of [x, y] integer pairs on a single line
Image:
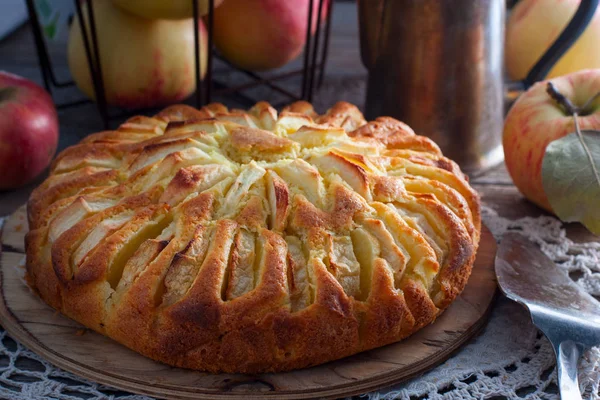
{"points": [[51, 28], [571, 178]]}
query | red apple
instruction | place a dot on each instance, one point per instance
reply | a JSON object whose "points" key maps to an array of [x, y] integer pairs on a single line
{"points": [[28, 130], [262, 34], [535, 120], [145, 63], [161, 9]]}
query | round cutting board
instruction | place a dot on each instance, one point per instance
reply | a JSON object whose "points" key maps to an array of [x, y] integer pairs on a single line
{"points": [[93, 356]]}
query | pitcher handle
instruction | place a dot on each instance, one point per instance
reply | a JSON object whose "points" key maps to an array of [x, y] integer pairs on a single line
{"points": [[565, 40]]}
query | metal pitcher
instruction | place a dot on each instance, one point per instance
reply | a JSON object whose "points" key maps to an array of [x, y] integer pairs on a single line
{"points": [[438, 66]]}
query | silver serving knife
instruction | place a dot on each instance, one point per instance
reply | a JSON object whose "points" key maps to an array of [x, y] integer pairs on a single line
{"points": [[568, 316]]}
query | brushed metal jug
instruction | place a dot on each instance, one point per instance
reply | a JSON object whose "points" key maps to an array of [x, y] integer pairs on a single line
{"points": [[438, 66]]}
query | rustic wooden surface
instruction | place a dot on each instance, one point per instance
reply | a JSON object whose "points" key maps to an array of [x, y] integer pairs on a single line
{"points": [[55, 338]]}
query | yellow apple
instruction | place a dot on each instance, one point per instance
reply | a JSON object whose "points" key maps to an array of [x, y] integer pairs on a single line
{"points": [[534, 25], [145, 63], [165, 9], [535, 120], [262, 34]]}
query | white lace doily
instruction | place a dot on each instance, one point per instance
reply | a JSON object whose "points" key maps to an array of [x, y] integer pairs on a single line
{"points": [[510, 359]]}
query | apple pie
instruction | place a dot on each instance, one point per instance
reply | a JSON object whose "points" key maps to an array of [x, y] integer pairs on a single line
{"points": [[226, 240]]}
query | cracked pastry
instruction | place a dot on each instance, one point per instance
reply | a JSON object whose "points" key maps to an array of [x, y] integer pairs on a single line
{"points": [[253, 241]]}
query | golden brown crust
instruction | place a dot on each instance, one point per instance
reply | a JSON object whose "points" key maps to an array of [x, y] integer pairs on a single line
{"points": [[225, 240], [301, 107], [343, 114], [245, 139]]}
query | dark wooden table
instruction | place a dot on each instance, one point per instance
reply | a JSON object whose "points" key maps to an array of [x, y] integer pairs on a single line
{"points": [[345, 76]]}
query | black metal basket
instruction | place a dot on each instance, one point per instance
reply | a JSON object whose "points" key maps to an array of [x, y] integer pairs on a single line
{"points": [[315, 57]]}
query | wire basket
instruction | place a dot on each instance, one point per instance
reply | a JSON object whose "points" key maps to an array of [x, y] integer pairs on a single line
{"points": [[312, 71]]}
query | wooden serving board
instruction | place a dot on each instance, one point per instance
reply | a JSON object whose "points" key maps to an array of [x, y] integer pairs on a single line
{"points": [[93, 356]]}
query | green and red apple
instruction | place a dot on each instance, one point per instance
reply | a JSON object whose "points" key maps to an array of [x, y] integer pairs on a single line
{"points": [[145, 63], [536, 119], [535, 24], [28, 130]]}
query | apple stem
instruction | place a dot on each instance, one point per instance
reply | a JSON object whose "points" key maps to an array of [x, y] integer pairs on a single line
{"points": [[567, 104], [561, 99]]}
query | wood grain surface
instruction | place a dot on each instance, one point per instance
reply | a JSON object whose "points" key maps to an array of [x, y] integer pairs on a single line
{"points": [[70, 346]]}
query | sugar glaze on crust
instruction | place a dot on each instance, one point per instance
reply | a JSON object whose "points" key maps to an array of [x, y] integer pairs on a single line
{"points": [[252, 241]]}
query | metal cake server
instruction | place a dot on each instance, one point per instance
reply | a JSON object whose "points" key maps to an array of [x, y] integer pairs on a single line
{"points": [[568, 316]]}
